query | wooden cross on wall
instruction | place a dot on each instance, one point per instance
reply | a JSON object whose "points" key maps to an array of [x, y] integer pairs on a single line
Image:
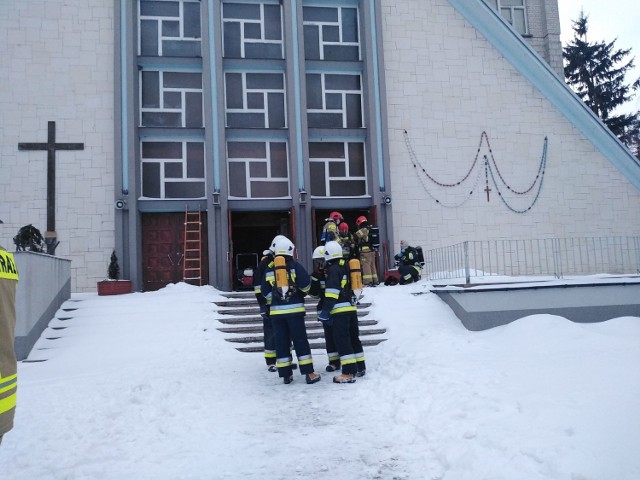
{"points": [[51, 147]]}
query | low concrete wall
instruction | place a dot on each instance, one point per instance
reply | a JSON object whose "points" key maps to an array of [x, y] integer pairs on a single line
{"points": [[484, 307], [45, 283]]}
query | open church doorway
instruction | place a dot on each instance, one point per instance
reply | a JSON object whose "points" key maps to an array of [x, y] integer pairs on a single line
{"points": [[250, 234]]}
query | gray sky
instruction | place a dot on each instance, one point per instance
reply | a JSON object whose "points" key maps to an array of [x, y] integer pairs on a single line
{"points": [[608, 19]]}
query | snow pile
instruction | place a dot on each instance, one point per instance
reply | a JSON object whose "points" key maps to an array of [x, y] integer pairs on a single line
{"points": [[144, 386]]}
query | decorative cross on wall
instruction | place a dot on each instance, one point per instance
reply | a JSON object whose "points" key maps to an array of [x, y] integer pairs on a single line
{"points": [[487, 189], [51, 147]]}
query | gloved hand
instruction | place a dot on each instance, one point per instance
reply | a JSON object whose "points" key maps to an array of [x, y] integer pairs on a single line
{"points": [[325, 318], [264, 315]]}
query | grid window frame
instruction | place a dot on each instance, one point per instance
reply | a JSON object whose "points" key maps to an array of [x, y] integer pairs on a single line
{"points": [[343, 93], [511, 10], [342, 163], [332, 24], [249, 95], [166, 167], [261, 23], [250, 164], [186, 120], [164, 23]]}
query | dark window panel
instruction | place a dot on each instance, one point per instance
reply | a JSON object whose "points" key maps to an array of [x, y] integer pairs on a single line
{"points": [[191, 20], [170, 29], [260, 81], [181, 48], [237, 180], [341, 53], [326, 150], [337, 169], [318, 185], [232, 40], [333, 101], [234, 96], [255, 100], [150, 89], [324, 120], [314, 91], [311, 43], [245, 120], [161, 150], [257, 169], [276, 110], [354, 111], [184, 189], [342, 82], [151, 180], [241, 10], [182, 80], [247, 150], [349, 25], [319, 14], [195, 160], [356, 159], [172, 170], [278, 152], [194, 116], [157, 119], [149, 38], [262, 50], [172, 100], [195, 169], [272, 22], [348, 188], [159, 9], [330, 33], [269, 189], [252, 31]]}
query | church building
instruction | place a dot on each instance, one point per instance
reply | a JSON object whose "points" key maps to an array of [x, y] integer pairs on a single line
{"points": [[185, 134]]}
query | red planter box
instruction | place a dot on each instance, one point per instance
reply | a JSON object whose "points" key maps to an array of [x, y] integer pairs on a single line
{"points": [[114, 287]]}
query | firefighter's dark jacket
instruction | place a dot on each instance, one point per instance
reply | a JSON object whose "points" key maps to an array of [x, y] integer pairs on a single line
{"points": [[299, 284], [337, 292]]}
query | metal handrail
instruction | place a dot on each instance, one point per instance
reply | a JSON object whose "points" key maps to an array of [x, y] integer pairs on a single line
{"points": [[556, 257]]}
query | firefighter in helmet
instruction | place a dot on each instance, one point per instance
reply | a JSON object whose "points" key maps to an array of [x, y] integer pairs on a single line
{"points": [[347, 241], [367, 252], [409, 266], [330, 229], [317, 290], [284, 287], [340, 313]]}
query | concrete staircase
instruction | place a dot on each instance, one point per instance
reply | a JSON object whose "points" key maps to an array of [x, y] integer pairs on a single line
{"points": [[240, 317]]}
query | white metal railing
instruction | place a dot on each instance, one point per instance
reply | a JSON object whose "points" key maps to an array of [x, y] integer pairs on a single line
{"points": [[545, 257]]}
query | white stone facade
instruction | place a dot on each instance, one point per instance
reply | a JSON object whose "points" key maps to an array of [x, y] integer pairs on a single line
{"points": [[445, 85], [57, 64]]}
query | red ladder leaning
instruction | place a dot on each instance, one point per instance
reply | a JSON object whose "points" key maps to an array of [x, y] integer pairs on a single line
{"points": [[192, 266]]}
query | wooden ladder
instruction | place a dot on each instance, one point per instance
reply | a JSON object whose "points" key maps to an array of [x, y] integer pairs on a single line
{"points": [[192, 266]]}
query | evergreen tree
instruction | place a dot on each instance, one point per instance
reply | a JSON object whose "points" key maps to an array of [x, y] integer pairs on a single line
{"points": [[114, 269], [596, 72]]}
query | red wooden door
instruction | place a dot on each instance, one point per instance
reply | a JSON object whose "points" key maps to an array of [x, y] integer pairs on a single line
{"points": [[163, 249]]}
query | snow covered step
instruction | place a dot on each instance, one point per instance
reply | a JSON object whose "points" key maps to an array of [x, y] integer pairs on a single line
{"points": [[366, 342], [252, 302], [314, 335], [257, 328], [241, 308], [313, 315], [240, 316]]}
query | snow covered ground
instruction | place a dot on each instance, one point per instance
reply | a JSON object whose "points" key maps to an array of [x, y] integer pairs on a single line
{"points": [[144, 386]]}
